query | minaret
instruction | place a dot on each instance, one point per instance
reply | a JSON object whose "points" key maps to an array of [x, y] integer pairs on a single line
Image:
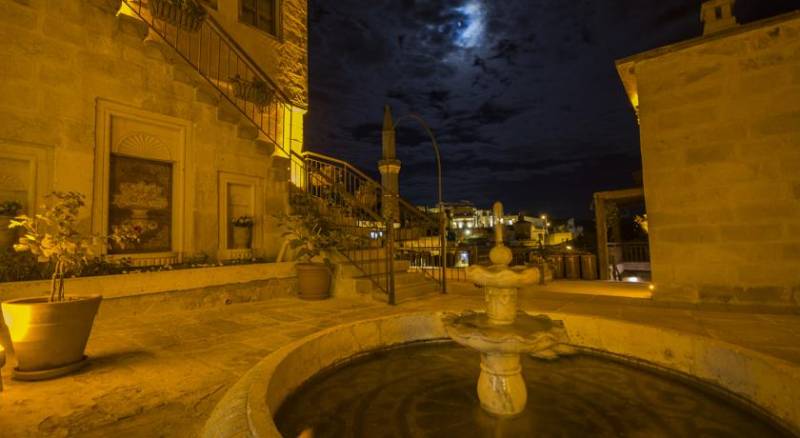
{"points": [[389, 167], [717, 15]]}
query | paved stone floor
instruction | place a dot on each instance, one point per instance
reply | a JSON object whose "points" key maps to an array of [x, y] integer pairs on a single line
{"points": [[162, 374]]}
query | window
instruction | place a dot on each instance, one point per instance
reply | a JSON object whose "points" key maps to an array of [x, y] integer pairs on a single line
{"points": [[718, 12], [262, 14]]}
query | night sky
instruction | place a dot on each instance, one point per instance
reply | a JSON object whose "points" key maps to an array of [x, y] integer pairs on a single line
{"points": [[523, 95]]}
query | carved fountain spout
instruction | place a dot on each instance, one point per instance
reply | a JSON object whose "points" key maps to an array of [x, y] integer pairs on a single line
{"points": [[503, 333]]}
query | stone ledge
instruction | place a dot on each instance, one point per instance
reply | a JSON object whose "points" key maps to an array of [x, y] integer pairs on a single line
{"points": [[127, 285], [768, 383]]}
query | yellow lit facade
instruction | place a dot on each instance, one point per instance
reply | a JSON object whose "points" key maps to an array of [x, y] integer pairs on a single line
{"points": [[720, 131], [95, 85]]}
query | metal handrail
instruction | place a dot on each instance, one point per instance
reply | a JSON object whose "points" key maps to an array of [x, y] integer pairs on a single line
{"points": [[348, 198], [204, 49], [250, 62], [352, 168], [360, 221], [355, 170], [411, 240]]}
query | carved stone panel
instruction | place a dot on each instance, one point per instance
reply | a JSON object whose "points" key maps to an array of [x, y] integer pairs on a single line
{"points": [[141, 196]]}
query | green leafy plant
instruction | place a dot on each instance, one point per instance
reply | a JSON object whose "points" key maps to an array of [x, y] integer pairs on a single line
{"points": [[15, 266], [10, 208], [52, 237], [243, 221], [253, 90], [189, 6], [187, 14], [309, 232]]}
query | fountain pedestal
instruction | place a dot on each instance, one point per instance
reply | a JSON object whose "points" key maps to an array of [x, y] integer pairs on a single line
{"points": [[503, 333]]}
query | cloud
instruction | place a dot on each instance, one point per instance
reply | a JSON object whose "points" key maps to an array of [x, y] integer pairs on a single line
{"points": [[522, 94]]}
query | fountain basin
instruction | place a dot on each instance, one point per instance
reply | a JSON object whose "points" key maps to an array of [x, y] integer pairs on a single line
{"points": [[428, 390], [769, 385], [537, 335], [503, 276]]}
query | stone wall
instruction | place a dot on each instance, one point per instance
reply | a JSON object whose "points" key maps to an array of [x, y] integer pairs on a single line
{"points": [[720, 139], [62, 61]]}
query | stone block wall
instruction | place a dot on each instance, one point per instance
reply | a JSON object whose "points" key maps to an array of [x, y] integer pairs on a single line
{"points": [[720, 139], [60, 58]]}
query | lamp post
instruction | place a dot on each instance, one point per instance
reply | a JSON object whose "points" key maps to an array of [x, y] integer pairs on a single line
{"points": [[544, 250], [390, 129], [545, 225]]}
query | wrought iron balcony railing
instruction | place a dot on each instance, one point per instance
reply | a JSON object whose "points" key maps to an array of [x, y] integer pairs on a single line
{"points": [[216, 56]]}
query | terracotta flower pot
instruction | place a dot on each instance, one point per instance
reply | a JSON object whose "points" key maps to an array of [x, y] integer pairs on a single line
{"points": [[49, 338], [242, 237], [314, 281]]}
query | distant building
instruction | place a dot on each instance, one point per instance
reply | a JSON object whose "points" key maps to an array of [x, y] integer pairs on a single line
{"points": [[468, 222]]}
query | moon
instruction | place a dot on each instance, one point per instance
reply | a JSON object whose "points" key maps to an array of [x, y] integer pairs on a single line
{"points": [[471, 25]]}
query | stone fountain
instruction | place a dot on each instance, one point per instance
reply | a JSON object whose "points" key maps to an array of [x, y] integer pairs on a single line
{"points": [[503, 333]]}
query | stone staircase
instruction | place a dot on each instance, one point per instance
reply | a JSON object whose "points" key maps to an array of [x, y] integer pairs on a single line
{"points": [[352, 282], [358, 271], [189, 83]]}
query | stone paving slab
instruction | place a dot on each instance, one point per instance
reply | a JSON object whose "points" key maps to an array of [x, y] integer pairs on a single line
{"points": [[161, 374]]}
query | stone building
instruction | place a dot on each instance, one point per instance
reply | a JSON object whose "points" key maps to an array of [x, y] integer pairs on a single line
{"points": [[150, 122], [720, 142]]}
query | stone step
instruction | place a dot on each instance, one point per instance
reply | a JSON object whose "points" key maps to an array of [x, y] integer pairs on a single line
{"points": [[185, 74], [247, 131], [367, 253], [267, 147], [206, 95], [132, 27], [364, 268], [360, 288], [228, 113]]}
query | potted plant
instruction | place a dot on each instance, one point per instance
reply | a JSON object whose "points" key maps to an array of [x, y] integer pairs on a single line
{"points": [[8, 210], [242, 232], [313, 238], [186, 14], [254, 90], [49, 334]]}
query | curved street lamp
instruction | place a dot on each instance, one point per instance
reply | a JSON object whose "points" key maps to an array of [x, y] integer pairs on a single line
{"points": [[390, 127]]}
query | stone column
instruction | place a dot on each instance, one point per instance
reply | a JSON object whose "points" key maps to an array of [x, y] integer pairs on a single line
{"points": [[501, 387], [389, 166]]}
